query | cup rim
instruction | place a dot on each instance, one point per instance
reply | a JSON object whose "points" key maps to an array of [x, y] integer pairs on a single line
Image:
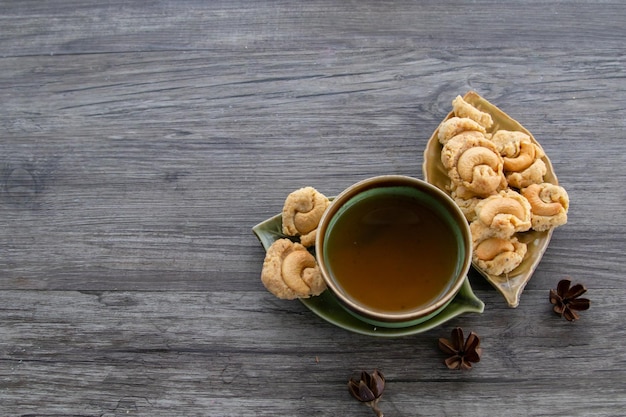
{"points": [[393, 181]]}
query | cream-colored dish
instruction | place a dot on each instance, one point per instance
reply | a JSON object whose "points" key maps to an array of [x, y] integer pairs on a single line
{"points": [[512, 284]]}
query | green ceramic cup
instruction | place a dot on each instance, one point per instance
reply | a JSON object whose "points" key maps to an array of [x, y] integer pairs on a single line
{"points": [[417, 198]]}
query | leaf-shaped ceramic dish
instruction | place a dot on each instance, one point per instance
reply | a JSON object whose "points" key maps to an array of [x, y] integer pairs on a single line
{"points": [[512, 284], [328, 308]]}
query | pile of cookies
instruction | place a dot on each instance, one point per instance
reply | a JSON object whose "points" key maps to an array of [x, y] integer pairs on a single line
{"points": [[497, 178], [289, 270]]}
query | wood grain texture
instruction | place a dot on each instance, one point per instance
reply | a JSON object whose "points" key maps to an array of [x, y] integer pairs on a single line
{"points": [[141, 140]]}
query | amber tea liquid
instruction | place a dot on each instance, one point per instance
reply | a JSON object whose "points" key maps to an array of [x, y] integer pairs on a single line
{"points": [[392, 253]]}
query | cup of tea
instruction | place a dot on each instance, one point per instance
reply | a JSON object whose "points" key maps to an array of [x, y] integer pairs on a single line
{"points": [[394, 250]]}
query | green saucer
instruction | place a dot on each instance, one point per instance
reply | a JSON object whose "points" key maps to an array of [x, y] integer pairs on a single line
{"points": [[328, 308]]}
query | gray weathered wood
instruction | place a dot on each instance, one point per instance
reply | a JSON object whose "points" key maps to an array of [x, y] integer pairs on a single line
{"points": [[141, 140]]}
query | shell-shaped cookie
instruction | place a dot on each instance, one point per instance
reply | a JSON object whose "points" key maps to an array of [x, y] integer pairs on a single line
{"points": [[455, 125], [504, 213], [517, 150], [474, 163], [498, 255], [290, 271], [462, 108], [549, 205], [522, 158], [302, 213], [532, 175]]}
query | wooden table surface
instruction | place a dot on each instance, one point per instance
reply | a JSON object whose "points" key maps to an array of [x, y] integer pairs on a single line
{"points": [[140, 141]]}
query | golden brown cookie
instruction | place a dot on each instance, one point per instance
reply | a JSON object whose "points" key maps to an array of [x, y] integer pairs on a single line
{"points": [[534, 174], [462, 108], [504, 214], [455, 125], [474, 164], [522, 158], [290, 271], [549, 205], [498, 256], [302, 212]]}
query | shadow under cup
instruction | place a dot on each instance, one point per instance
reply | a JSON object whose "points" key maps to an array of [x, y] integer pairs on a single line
{"points": [[394, 250]]}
